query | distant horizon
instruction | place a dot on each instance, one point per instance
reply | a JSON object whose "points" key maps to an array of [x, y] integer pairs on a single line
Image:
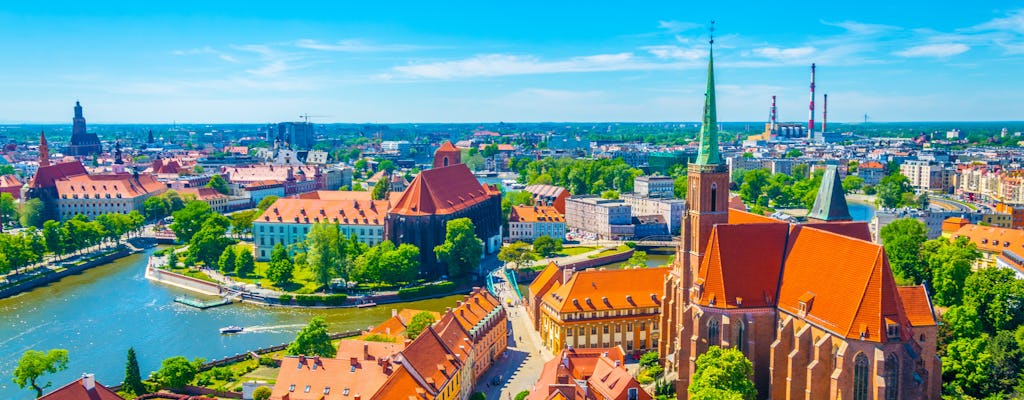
{"points": [[817, 123]]}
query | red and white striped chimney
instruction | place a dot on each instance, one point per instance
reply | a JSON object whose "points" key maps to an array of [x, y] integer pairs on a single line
{"points": [[810, 120]]}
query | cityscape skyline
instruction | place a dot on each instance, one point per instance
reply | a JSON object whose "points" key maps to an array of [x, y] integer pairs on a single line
{"points": [[131, 63]]}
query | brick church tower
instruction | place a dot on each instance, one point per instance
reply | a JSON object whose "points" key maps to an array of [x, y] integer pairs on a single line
{"points": [[707, 204], [447, 155]]}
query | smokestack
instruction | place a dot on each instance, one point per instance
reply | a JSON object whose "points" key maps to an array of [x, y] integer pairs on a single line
{"points": [[824, 114], [810, 120], [773, 117]]}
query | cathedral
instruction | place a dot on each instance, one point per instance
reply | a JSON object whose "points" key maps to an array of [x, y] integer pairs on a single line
{"points": [[813, 306], [82, 142]]}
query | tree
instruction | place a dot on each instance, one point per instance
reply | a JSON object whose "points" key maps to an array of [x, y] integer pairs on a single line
{"points": [[312, 340], [546, 246], [244, 263], [34, 364], [189, 220], [519, 254], [8, 209], [209, 243], [265, 203], [478, 396], [967, 366], [997, 296], [903, 239], [132, 376], [176, 372], [852, 183], [799, 171], [219, 184], [261, 393], [891, 189], [649, 359], [522, 395], [794, 153], [722, 373], [419, 323], [281, 267], [172, 260], [754, 182], [226, 262], [325, 251], [461, 249], [387, 166], [32, 213], [610, 194], [490, 150], [381, 189], [950, 264], [199, 169], [638, 259]]}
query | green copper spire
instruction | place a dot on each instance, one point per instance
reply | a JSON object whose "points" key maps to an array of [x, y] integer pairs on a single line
{"points": [[708, 154]]}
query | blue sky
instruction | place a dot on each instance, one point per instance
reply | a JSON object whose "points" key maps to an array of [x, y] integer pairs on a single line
{"points": [[213, 61]]}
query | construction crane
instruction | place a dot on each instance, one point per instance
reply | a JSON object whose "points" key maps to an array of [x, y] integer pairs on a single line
{"points": [[307, 117]]}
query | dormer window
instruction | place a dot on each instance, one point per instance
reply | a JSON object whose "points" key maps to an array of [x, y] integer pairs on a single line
{"points": [[892, 329], [291, 388], [805, 301]]}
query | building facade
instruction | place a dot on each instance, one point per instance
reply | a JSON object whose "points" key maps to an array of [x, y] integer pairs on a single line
{"points": [[654, 186], [93, 195], [527, 223], [601, 218], [288, 220], [549, 195], [925, 175], [83, 143], [671, 210]]}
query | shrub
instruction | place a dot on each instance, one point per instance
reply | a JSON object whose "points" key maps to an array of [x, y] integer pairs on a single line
{"points": [[285, 299], [335, 299], [267, 361], [306, 300], [443, 287], [522, 395]]}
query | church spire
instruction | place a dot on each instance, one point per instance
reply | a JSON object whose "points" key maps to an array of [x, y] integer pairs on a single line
{"points": [[44, 150], [709, 154]]}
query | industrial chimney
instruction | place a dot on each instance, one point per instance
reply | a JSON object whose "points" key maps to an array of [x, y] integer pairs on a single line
{"points": [[810, 120], [824, 114]]}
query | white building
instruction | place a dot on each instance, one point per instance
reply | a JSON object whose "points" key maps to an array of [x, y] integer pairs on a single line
{"points": [[670, 209], [654, 186], [602, 218]]}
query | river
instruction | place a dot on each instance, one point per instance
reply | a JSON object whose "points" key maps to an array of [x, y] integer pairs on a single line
{"points": [[98, 314]]}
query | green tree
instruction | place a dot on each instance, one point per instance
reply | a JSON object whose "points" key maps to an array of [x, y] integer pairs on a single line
{"points": [[219, 184], [461, 249], [852, 183], [155, 208], [265, 203], [32, 213], [478, 396], [226, 262], [189, 220], [241, 222], [967, 366], [176, 372], [723, 373], [799, 171], [649, 359], [998, 297], [546, 246], [34, 364], [891, 189], [261, 393], [8, 209], [754, 182], [198, 169], [903, 240], [380, 190], [312, 340], [522, 395], [209, 243], [518, 254], [794, 153], [325, 251], [245, 264], [638, 259], [490, 150], [132, 376], [950, 264], [387, 166], [419, 323], [281, 266], [172, 260]]}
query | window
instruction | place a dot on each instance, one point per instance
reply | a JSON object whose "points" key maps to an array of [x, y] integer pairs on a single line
{"points": [[892, 331], [327, 390], [606, 329], [291, 388], [892, 377], [618, 328], [741, 336], [713, 332], [632, 394], [629, 326], [860, 377], [593, 330], [307, 388], [714, 197], [582, 332]]}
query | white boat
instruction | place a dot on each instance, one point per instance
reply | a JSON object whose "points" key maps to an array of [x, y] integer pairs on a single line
{"points": [[230, 329]]}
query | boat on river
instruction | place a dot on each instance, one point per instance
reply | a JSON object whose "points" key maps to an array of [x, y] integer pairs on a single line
{"points": [[230, 329]]}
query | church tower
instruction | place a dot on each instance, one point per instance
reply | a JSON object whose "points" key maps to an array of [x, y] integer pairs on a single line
{"points": [[44, 150], [447, 155]]}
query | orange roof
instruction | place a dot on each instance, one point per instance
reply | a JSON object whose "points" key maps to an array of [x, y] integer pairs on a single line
{"points": [[615, 289], [547, 276], [853, 229], [917, 305], [311, 211], [395, 326], [10, 181], [475, 307], [613, 381], [859, 293], [501, 147], [318, 378], [203, 194], [116, 185], [447, 146], [562, 376], [743, 217], [48, 175], [871, 165], [76, 391], [454, 336], [336, 195], [401, 385], [991, 239], [535, 214], [443, 191], [262, 184], [952, 224], [742, 264], [431, 359]]}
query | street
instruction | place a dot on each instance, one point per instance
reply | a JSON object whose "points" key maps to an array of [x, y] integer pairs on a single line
{"points": [[521, 366]]}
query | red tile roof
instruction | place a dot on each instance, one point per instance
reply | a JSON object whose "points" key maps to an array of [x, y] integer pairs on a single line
{"points": [[311, 211], [737, 216], [475, 307], [917, 305], [431, 359], [742, 265], [46, 176], [615, 289], [10, 181], [328, 378], [853, 229], [76, 391], [845, 284], [992, 239], [443, 191], [548, 275], [402, 386], [116, 185], [871, 165], [562, 376], [535, 214]]}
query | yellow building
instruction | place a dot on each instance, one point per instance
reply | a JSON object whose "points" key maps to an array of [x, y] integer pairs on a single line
{"points": [[604, 308]]}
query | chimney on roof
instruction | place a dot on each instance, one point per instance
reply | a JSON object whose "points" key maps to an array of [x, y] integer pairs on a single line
{"points": [[354, 361], [366, 351], [89, 381], [357, 397]]}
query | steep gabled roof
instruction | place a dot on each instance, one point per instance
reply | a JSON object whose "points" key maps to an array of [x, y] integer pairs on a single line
{"points": [[46, 176], [401, 385], [830, 204], [547, 276], [737, 216], [617, 289], [742, 264], [917, 305], [429, 359], [843, 285], [855, 229], [76, 391], [442, 191]]}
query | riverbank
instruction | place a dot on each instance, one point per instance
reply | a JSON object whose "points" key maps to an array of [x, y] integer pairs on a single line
{"points": [[57, 270]]}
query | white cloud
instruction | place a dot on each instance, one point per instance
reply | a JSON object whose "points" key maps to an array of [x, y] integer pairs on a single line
{"points": [[676, 52], [206, 50], [939, 50], [860, 28], [353, 46], [777, 53], [676, 26], [504, 64], [1014, 22]]}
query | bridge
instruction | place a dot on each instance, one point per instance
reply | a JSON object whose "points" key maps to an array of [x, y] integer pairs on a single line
{"points": [[656, 241]]}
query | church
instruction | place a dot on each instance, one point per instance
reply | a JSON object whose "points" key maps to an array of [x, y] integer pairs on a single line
{"points": [[813, 306]]}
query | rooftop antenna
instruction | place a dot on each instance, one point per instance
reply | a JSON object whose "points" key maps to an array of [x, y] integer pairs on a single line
{"points": [[711, 33]]}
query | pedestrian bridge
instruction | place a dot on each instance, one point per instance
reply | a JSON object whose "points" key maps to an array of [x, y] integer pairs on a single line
{"points": [[656, 241]]}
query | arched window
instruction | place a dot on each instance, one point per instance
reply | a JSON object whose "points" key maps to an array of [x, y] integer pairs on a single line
{"points": [[892, 377], [741, 336], [713, 332], [445, 161], [860, 377], [714, 197]]}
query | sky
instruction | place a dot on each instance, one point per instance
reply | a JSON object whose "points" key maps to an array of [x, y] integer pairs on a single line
{"points": [[522, 61]]}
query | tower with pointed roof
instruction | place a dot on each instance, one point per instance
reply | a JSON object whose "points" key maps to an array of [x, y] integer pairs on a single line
{"points": [[830, 205], [83, 143], [447, 155], [44, 150]]}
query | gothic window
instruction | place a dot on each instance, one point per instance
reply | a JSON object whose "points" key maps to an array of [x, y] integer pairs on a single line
{"points": [[741, 336], [445, 161], [860, 377], [714, 197], [713, 332], [892, 377]]}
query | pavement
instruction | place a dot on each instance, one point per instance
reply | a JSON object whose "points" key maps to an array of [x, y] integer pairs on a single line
{"points": [[521, 365]]}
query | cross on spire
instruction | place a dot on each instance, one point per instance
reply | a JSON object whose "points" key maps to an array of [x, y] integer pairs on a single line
{"points": [[711, 33], [708, 153]]}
